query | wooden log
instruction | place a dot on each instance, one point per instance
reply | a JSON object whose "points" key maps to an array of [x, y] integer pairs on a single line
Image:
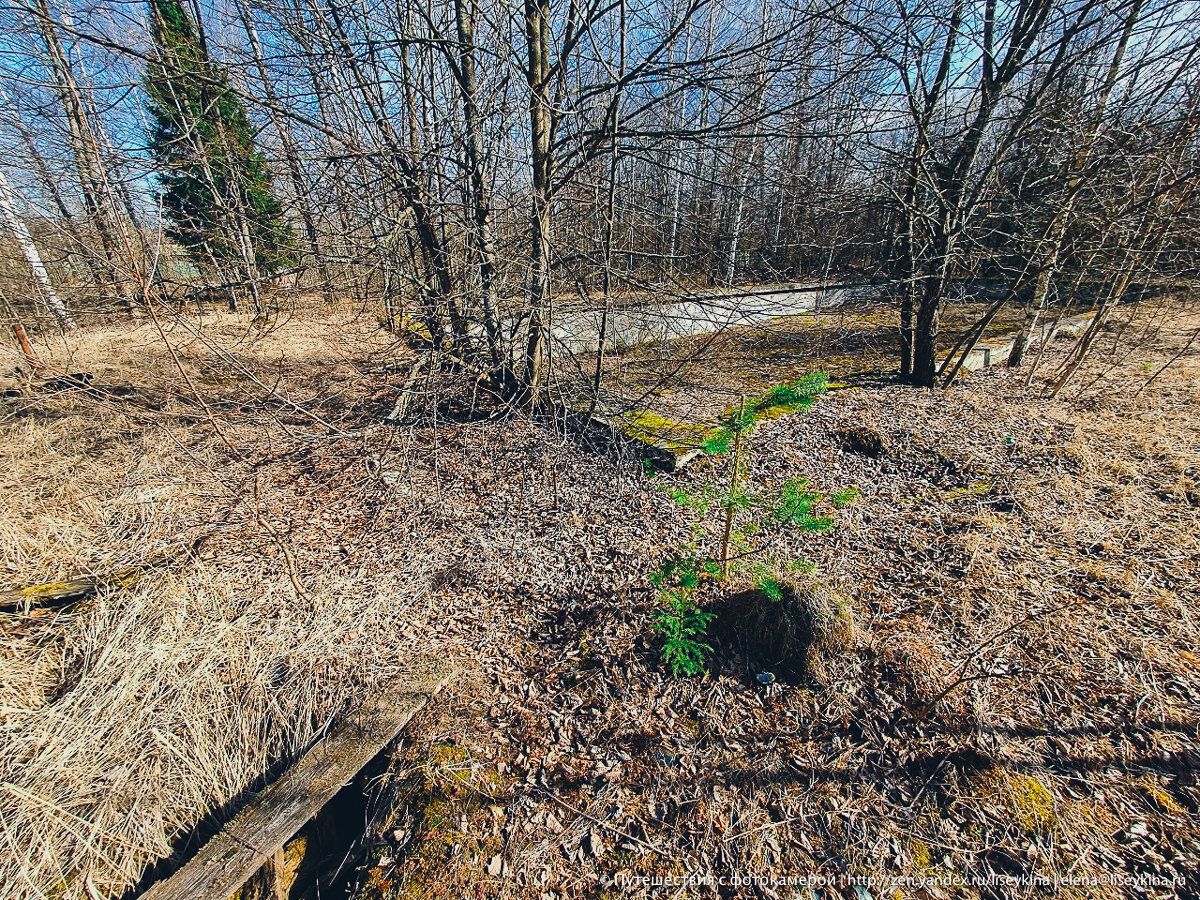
{"points": [[23, 340], [259, 832], [61, 593], [608, 431]]}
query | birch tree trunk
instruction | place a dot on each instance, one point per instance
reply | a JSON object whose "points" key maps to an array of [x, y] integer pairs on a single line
{"points": [[20, 233]]}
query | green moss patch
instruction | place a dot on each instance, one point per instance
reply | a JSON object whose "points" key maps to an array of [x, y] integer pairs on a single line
{"points": [[651, 428]]}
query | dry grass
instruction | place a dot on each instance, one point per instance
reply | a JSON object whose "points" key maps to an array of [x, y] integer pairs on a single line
{"points": [[127, 718], [175, 697], [89, 492], [94, 482]]}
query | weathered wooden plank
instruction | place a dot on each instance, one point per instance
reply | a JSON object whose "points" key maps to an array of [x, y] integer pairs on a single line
{"points": [[261, 829]]}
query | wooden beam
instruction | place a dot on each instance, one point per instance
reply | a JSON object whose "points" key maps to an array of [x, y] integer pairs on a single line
{"points": [[256, 834]]}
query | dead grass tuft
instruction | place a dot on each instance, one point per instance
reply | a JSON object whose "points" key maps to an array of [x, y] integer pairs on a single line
{"points": [[129, 717]]}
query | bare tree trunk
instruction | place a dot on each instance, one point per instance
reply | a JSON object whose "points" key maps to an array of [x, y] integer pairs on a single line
{"points": [[919, 311], [89, 160], [290, 155], [246, 246], [744, 173], [677, 176], [609, 216], [50, 184], [20, 233], [411, 176], [1033, 312], [702, 201], [537, 74], [481, 206], [908, 259]]}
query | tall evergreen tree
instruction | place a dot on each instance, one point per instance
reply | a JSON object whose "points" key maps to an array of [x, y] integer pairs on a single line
{"points": [[217, 186]]}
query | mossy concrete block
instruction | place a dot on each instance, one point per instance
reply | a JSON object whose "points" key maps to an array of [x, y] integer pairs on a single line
{"points": [[663, 453]]}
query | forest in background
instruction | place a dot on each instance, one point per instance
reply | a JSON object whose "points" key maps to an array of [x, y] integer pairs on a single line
{"points": [[467, 166]]}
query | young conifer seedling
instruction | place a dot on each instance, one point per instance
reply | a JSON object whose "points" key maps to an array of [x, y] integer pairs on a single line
{"points": [[794, 505]]}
